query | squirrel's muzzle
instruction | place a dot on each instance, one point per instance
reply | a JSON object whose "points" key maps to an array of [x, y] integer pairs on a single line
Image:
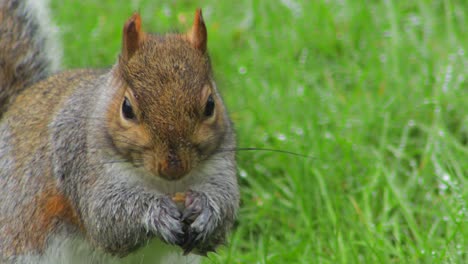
{"points": [[172, 167]]}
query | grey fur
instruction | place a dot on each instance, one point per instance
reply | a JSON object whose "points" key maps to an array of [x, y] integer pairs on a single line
{"points": [[121, 206], [110, 198]]}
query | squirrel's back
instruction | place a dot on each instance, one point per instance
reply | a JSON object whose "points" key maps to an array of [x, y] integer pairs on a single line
{"points": [[28, 49]]}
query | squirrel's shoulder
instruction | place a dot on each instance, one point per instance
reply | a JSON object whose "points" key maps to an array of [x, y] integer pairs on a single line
{"points": [[49, 94]]}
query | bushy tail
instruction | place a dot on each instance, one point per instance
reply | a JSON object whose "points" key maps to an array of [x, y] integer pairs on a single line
{"points": [[28, 50]]}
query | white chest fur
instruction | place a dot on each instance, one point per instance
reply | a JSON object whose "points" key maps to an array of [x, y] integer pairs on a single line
{"points": [[77, 251]]}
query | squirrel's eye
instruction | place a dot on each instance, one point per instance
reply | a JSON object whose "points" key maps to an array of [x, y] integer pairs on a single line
{"points": [[127, 109], [209, 107]]}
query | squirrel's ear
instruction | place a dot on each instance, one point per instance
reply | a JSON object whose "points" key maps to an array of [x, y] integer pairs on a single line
{"points": [[132, 36], [198, 35]]}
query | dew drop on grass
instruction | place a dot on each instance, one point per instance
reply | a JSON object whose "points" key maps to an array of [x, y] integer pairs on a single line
{"points": [[421, 181], [328, 135], [281, 137], [447, 78], [167, 11], [242, 70], [294, 6], [442, 188], [300, 90], [383, 58], [298, 131], [243, 173], [414, 20], [446, 177], [461, 52], [303, 56]]}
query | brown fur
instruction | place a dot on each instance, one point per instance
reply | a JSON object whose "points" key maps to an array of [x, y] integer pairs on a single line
{"points": [[56, 147], [39, 212], [170, 72], [45, 213]]}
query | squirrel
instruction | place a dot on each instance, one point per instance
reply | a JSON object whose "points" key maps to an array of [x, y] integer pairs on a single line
{"points": [[90, 159]]}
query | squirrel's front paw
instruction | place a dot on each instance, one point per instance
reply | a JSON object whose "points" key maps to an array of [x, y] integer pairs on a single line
{"points": [[202, 218], [164, 218]]}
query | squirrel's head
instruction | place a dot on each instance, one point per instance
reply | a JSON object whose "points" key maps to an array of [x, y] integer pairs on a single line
{"points": [[167, 116]]}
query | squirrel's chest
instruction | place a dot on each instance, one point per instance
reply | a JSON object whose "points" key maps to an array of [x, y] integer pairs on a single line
{"points": [[76, 250]]}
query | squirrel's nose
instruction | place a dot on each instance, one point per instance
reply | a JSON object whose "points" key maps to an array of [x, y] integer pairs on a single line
{"points": [[172, 167]]}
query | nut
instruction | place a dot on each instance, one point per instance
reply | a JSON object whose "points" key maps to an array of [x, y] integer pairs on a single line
{"points": [[179, 197]]}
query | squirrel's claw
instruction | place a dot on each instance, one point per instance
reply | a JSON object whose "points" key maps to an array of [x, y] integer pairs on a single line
{"points": [[192, 244], [201, 220], [164, 218]]}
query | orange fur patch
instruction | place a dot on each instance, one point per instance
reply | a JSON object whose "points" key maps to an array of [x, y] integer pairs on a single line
{"points": [[53, 209], [57, 206]]}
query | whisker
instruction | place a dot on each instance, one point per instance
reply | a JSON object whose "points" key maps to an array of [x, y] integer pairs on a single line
{"points": [[98, 164], [128, 142], [287, 152]]}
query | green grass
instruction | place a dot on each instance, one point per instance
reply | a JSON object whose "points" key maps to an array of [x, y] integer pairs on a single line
{"points": [[375, 91]]}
